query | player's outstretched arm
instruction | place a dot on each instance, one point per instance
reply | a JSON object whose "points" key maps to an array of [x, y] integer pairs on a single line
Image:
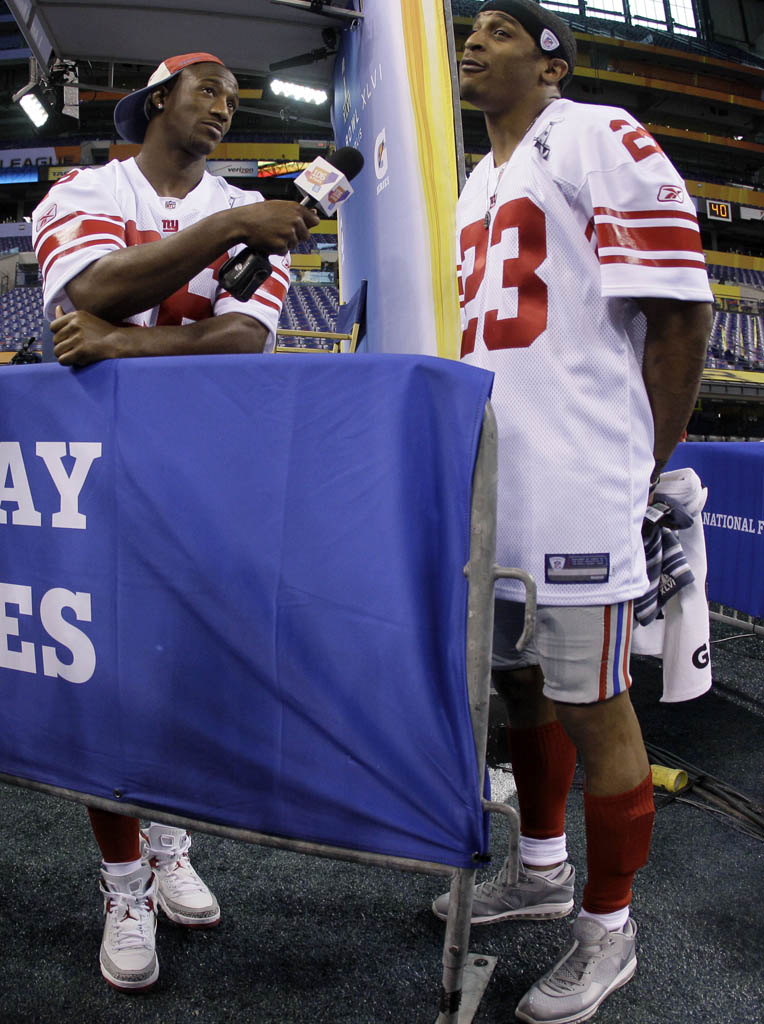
{"points": [[128, 281], [80, 338], [675, 354]]}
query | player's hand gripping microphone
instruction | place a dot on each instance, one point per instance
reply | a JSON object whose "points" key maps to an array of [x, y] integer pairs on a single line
{"points": [[324, 184]]}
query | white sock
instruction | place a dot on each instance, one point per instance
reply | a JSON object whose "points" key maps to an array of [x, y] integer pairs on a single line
{"points": [[121, 867], [534, 852], [614, 921]]}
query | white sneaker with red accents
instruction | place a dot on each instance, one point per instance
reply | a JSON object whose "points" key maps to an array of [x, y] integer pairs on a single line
{"points": [[181, 893], [128, 956]]}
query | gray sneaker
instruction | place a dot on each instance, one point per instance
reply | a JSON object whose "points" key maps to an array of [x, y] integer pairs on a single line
{"points": [[533, 897], [596, 964]]}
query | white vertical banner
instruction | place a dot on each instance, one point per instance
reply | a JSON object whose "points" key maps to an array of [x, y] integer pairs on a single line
{"points": [[393, 101]]}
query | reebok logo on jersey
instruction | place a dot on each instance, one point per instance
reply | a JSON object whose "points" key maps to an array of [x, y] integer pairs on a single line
{"points": [[46, 217], [670, 194], [169, 226]]}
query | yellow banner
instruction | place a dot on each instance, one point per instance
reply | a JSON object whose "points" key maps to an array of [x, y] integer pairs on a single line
{"points": [[429, 77]]}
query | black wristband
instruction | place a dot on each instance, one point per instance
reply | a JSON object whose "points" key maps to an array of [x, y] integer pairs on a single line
{"points": [[655, 477]]}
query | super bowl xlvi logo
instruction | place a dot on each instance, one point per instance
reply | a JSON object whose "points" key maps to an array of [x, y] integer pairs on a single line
{"points": [[380, 161], [670, 194]]}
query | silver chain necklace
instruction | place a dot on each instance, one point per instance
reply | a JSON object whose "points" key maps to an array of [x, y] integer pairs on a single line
{"points": [[490, 199]]}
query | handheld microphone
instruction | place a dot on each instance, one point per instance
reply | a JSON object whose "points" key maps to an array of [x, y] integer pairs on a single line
{"points": [[323, 188]]}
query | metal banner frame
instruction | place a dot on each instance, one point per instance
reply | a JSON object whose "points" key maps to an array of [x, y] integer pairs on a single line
{"points": [[464, 976]]}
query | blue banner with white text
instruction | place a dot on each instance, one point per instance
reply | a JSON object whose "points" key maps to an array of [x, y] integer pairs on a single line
{"points": [[231, 587], [733, 518]]}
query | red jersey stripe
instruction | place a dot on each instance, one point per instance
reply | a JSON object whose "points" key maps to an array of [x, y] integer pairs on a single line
{"points": [[95, 218], [605, 653], [88, 243], [85, 229], [629, 615], [605, 211], [657, 239], [258, 297], [273, 288], [641, 261]]}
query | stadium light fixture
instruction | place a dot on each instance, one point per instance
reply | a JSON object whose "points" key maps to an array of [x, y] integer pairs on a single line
{"points": [[32, 102], [294, 91], [31, 97]]}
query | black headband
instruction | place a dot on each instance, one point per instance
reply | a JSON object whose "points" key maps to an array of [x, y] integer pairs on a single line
{"points": [[550, 33]]}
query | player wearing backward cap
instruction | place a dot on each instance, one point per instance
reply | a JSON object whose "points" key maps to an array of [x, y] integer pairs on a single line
{"points": [[583, 288], [130, 254], [140, 242]]}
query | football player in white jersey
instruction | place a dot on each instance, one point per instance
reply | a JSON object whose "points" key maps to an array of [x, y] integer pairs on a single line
{"points": [[130, 254], [583, 287], [140, 242]]}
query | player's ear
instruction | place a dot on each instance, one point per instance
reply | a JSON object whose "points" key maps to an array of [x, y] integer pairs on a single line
{"points": [[158, 97], [555, 70]]}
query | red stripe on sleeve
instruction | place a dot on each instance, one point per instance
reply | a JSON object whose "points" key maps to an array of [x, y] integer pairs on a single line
{"points": [[87, 244], [84, 229], [272, 286], [258, 297], [605, 211], [640, 261], [671, 239]]}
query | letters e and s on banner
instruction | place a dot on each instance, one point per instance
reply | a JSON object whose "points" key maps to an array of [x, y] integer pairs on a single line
{"points": [[45, 621], [394, 102]]}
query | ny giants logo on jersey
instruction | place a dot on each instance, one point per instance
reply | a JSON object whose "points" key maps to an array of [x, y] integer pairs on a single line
{"points": [[670, 194], [168, 226]]}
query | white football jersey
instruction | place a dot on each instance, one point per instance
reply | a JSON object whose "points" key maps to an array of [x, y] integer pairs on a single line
{"points": [[587, 215], [94, 211]]}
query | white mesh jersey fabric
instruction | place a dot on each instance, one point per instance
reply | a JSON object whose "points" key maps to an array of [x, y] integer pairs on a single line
{"points": [[588, 215], [97, 210]]}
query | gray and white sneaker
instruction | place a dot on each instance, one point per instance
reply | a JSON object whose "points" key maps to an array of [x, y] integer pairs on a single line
{"points": [[181, 893], [533, 897], [596, 964], [128, 958]]}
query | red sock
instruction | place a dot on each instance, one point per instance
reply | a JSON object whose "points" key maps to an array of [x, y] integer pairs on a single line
{"points": [[116, 835], [618, 830], [543, 761]]}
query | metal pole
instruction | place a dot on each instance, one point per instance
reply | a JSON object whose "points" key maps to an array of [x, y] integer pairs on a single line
{"points": [[456, 945], [480, 572]]}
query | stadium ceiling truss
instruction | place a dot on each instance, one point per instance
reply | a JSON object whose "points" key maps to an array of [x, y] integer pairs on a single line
{"points": [[248, 35], [675, 16]]}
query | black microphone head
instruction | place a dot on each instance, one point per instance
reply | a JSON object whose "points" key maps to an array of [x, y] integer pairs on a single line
{"points": [[347, 160]]}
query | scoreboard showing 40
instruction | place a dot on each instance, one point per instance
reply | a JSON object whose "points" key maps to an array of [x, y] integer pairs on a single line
{"points": [[718, 209]]}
